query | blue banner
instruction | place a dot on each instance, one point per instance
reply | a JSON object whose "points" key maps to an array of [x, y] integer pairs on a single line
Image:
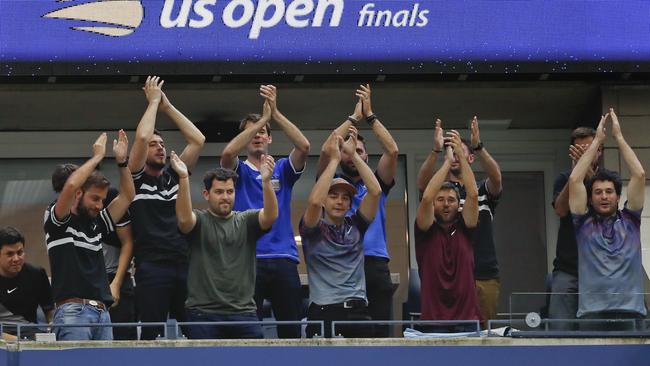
{"points": [[321, 31]]}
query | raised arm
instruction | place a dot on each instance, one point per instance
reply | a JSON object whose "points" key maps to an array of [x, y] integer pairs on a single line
{"points": [[470, 208], [300, 143], [153, 92], [319, 192], [636, 186], [488, 163], [341, 130], [370, 202], [387, 166], [577, 191], [561, 202], [192, 135], [117, 208], [425, 215], [428, 168], [269, 213], [237, 144], [66, 198], [125, 235], [184, 214]]}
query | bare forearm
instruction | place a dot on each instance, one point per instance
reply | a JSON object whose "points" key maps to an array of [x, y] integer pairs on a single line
{"points": [[368, 177], [582, 166], [127, 188], [435, 182], [427, 170], [190, 132], [270, 211], [561, 203], [388, 144], [491, 168], [342, 130], [143, 134], [630, 158], [321, 188], [240, 141], [126, 252], [184, 204], [469, 181], [294, 134]]}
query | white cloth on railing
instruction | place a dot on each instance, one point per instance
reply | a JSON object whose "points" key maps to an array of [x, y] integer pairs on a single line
{"points": [[499, 332]]}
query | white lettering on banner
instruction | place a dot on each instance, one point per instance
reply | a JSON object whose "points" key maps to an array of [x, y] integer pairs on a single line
{"points": [[261, 15], [369, 17]]}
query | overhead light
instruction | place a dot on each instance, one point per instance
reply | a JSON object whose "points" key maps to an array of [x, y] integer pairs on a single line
{"points": [[216, 79], [543, 77], [462, 77], [51, 79], [134, 79], [299, 78], [380, 78]]}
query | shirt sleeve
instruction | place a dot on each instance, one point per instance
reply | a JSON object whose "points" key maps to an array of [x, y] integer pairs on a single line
{"points": [[106, 221], [579, 219], [252, 218], [45, 299], [288, 173], [51, 222], [385, 188], [360, 222], [635, 215], [492, 200], [308, 231]]}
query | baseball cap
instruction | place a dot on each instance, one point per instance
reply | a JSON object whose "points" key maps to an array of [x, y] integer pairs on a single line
{"points": [[343, 183]]}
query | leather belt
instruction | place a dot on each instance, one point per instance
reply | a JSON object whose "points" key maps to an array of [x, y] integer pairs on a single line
{"points": [[98, 304], [348, 304]]}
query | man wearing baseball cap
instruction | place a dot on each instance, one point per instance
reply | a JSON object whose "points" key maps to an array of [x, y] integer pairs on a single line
{"points": [[333, 243]]}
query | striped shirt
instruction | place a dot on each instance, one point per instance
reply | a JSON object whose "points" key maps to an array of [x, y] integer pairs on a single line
{"points": [[153, 215], [74, 246]]}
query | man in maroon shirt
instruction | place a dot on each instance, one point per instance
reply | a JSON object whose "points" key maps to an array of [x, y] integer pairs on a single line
{"points": [[443, 244]]}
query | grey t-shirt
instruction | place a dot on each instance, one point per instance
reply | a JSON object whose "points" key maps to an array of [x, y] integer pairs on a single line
{"points": [[334, 259], [221, 277]]}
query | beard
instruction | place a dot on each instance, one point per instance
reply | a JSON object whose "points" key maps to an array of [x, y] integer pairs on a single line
{"points": [[349, 171], [85, 212], [155, 166]]}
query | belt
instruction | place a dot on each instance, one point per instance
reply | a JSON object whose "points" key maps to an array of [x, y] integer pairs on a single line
{"points": [[98, 304], [348, 304]]}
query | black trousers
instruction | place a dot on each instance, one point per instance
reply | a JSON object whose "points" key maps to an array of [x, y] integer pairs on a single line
{"points": [[379, 290], [124, 312], [333, 312]]}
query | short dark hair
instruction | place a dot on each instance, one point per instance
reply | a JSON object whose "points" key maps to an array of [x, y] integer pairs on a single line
{"points": [[96, 179], [157, 132], [253, 117], [10, 235], [61, 174], [450, 186], [582, 132], [605, 176], [220, 174]]}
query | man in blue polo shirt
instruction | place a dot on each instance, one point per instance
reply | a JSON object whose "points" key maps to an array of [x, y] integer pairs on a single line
{"points": [[379, 287], [277, 255]]}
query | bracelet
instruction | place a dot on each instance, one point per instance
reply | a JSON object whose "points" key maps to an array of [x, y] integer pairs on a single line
{"points": [[371, 119], [436, 151], [123, 164], [478, 147], [353, 120]]}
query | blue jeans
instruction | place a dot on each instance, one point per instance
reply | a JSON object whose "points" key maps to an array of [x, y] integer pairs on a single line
{"points": [[74, 313], [222, 331], [277, 280], [160, 292]]}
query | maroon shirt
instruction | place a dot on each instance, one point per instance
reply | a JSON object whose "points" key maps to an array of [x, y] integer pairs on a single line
{"points": [[446, 266]]}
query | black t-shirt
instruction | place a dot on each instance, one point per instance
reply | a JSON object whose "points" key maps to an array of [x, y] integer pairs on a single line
{"points": [[566, 249], [74, 245], [153, 215], [21, 295], [486, 265], [111, 238]]}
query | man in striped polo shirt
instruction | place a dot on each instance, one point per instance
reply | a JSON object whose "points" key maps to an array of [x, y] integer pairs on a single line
{"points": [[160, 250], [74, 227]]}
